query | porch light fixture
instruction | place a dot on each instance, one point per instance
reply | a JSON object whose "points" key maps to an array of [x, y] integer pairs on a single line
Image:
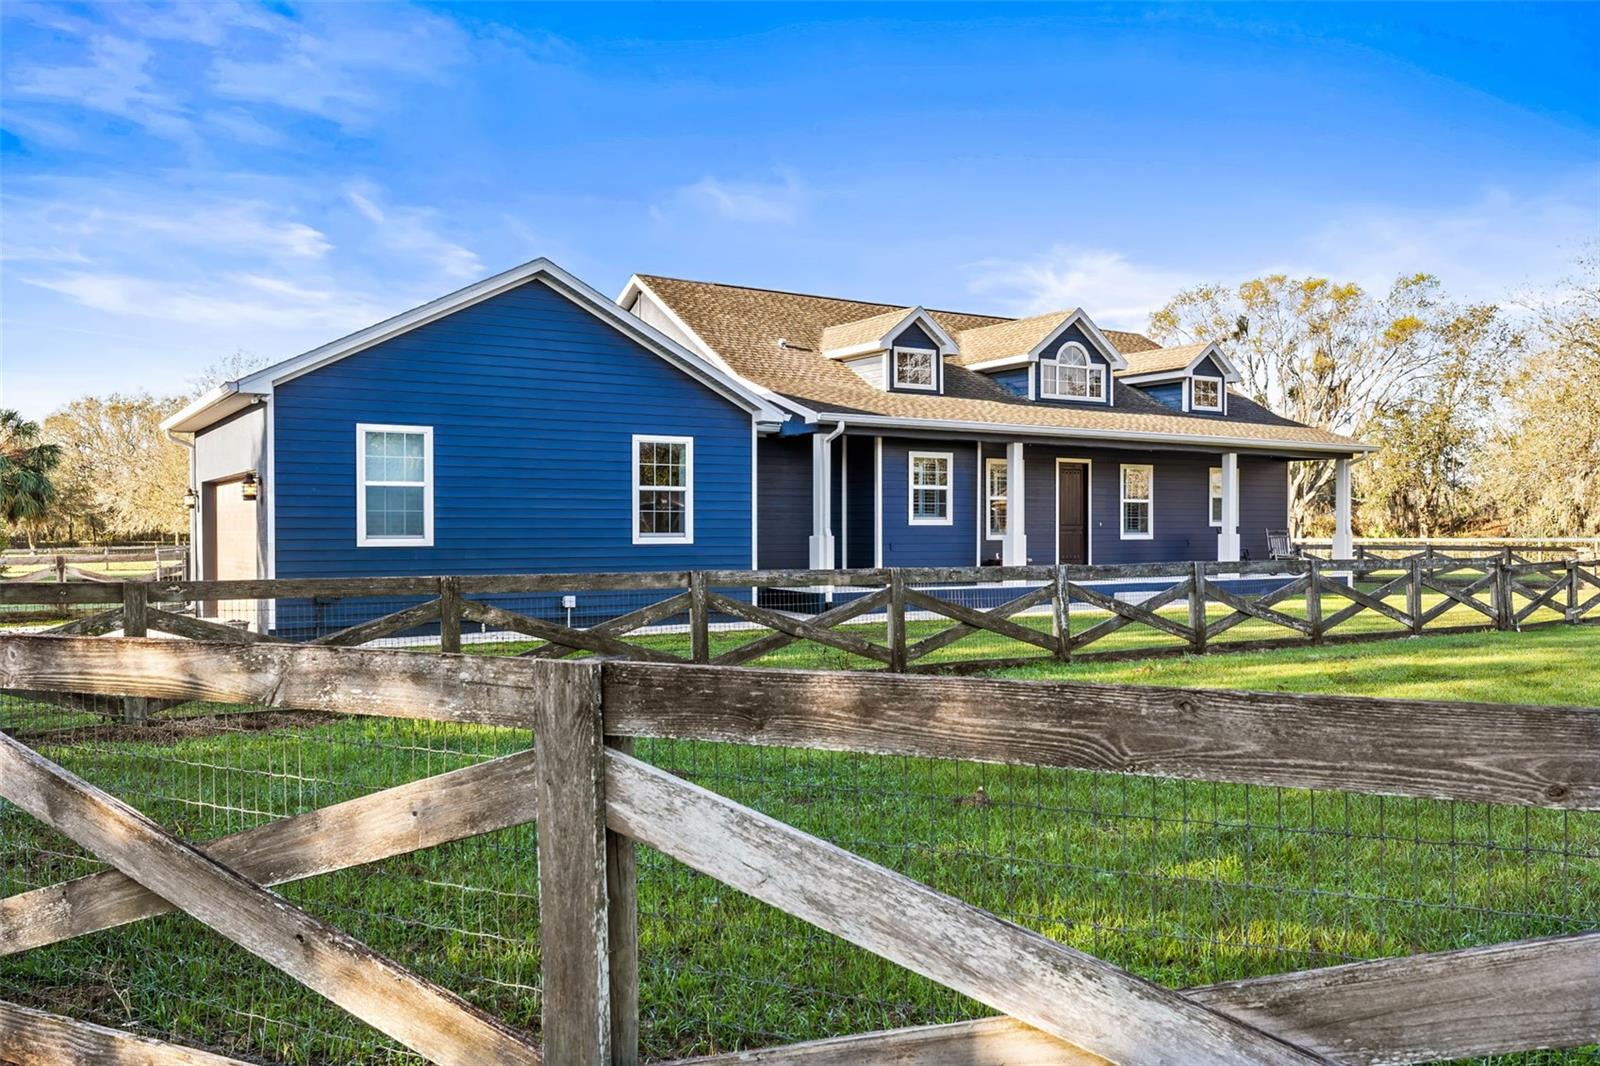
{"points": [[190, 499], [250, 488]]}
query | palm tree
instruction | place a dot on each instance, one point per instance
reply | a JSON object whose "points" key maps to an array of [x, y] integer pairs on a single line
{"points": [[26, 463]]}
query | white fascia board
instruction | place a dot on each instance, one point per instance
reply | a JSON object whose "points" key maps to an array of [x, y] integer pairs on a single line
{"points": [[1081, 318], [998, 364], [211, 408], [1119, 436], [637, 285]]}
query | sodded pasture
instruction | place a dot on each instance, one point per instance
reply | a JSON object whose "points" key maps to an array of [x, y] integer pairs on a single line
{"points": [[1183, 882]]}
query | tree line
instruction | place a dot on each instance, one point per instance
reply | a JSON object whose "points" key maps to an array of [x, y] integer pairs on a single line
{"points": [[1487, 416]]}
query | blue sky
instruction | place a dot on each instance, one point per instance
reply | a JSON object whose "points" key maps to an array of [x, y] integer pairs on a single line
{"points": [[183, 182]]}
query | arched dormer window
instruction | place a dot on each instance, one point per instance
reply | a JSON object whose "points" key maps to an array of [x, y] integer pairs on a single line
{"points": [[1071, 375]]}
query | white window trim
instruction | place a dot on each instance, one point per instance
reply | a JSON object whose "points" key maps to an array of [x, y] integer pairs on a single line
{"points": [[1214, 496], [362, 539], [1195, 404], [948, 489], [1089, 364], [989, 498], [1123, 501], [636, 489], [894, 369]]}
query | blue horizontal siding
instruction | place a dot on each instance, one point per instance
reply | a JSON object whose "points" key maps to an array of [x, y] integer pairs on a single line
{"points": [[905, 544], [533, 402]]}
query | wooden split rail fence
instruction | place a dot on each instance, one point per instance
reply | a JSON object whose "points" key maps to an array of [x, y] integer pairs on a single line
{"points": [[592, 802], [865, 613]]}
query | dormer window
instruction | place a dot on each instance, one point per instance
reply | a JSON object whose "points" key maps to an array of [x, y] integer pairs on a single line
{"points": [[915, 368], [1205, 394], [1071, 375]]}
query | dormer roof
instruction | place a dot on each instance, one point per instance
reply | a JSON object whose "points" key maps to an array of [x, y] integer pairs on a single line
{"points": [[1156, 364], [1021, 339], [877, 332]]}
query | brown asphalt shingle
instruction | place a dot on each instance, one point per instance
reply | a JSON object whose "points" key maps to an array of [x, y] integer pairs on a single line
{"points": [[744, 325]]}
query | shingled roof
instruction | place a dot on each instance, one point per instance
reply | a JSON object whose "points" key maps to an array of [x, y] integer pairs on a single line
{"points": [[743, 327], [1012, 336], [1161, 360]]}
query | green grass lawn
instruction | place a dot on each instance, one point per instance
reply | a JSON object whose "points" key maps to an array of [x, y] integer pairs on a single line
{"points": [[1183, 882]]}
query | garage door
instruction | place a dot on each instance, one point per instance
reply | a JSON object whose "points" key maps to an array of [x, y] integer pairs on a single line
{"points": [[230, 532]]}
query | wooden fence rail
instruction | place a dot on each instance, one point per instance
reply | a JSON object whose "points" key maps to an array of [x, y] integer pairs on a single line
{"points": [[590, 800], [865, 613]]}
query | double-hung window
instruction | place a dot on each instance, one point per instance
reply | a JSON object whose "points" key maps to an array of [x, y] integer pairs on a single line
{"points": [[916, 368], [394, 486], [1072, 375], [1138, 500], [929, 487], [995, 486], [1216, 495], [1205, 394], [663, 490]]}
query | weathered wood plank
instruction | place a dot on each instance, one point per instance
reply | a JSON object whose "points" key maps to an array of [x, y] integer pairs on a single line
{"points": [[1359, 600], [386, 625], [945, 637], [1540, 756], [1466, 597], [1053, 987], [699, 619], [181, 625], [99, 622], [1519, 996], [1256, 607], [462, 803], [1537, 599], [974, 620], [574, 907], [581, 639], [480, 689], [755, 649], [647, 615], [35, 1038], [622, 897], [1133, 612], [797, 628], [386, 996], [1101, 630]]}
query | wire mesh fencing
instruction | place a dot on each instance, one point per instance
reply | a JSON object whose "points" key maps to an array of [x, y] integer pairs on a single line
{"points": [[1183, 882]]}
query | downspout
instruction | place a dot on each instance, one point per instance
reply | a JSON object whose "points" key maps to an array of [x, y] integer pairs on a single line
{"points": [[188, 556], [822, 553]]}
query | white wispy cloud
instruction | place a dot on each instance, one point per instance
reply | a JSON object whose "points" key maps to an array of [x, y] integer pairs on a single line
{"points": [[414, 232], [1114, 290], [115, 79], [778, 202]]}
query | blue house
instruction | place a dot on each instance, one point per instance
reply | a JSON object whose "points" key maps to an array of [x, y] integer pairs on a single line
{"points": [[529, 424]]}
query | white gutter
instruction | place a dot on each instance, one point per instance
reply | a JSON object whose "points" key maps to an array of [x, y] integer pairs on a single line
{"points": [[1116, 435]]}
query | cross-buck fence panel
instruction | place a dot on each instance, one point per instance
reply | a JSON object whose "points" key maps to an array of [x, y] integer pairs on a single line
{"points": [[898, 620], [1136, 874]]}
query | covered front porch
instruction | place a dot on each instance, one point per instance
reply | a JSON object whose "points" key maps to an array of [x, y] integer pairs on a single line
{"points": [[886, 500]]}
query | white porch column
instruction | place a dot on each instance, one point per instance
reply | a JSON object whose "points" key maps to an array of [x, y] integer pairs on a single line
{"points": [[1228, 535], [1014, 549], [821, 542], [1343, 542]]}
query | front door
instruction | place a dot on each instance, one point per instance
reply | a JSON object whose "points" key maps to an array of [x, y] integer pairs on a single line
{"points": [[1072, 512]]}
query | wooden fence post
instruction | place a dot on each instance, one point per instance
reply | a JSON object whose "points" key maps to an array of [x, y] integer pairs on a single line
{"points": [[897, 621], [622, 886], [574, 859], [1061, 605], [1314, 600], [1197, 608], [61, 569], [135, 623], [1502, 594], [450, 614], [699, 618], [1572, 589], [1414, 595]]}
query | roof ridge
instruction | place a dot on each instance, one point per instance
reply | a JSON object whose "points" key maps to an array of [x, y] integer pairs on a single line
{"points": [[834, 299]]}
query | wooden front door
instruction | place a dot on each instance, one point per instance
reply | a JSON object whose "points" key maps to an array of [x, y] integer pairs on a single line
{"points": [[1072, 512]]}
